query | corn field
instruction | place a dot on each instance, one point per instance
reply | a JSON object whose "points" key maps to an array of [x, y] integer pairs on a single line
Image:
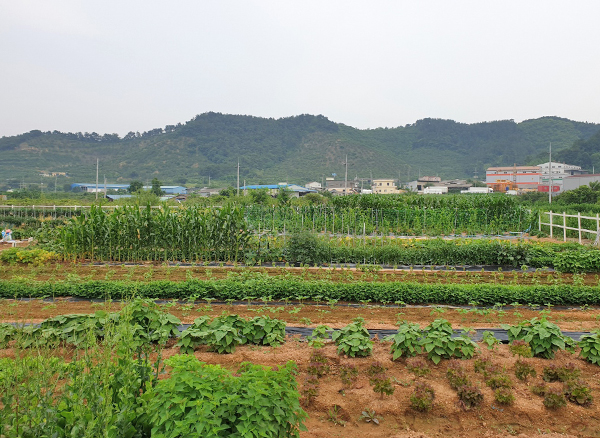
{"points": [[134, 234]]}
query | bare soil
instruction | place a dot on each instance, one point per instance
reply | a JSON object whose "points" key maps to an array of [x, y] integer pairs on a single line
{"points": [[152, 272], [527, 417], [335, 316]]}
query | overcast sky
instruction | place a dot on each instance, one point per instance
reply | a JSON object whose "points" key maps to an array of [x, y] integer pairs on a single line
{"points": [[113, 66]]}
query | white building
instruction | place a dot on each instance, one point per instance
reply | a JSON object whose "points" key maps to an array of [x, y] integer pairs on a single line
{"points": [[313, 185], [556, 174]]}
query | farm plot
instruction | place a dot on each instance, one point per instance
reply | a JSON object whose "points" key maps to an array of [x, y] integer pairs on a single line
{"points": [[486, 390]]}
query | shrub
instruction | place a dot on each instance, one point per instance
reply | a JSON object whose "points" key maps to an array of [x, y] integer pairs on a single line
{"points": [[554, 373], [406, 341], [469, 396], [304, 248], [554, 398], [263, 330], [422, 397], [456, 375], [523, 370], [544, 337], [504, 396], [439, 343], [210, 401], [417, 366], [590, 347], [578, 392], [353, 340], [36, 257]]}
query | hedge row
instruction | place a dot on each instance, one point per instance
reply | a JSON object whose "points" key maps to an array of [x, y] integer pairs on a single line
{"points": [[281, 289]]}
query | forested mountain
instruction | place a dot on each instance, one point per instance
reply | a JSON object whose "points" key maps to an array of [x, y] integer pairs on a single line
{"points": [[584, 153], [295, 149]]}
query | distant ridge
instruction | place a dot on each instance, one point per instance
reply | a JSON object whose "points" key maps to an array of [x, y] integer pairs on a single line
{"points": [[294, 149]]}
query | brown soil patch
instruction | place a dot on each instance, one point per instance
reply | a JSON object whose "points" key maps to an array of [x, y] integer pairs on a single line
{"points": [[335, 316], [151, 272], [526, 418]]}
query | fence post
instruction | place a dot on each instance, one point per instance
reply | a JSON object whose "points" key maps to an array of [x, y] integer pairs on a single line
{"points": [[597, 240], [565, 226], [551, 224], [579, 225]]}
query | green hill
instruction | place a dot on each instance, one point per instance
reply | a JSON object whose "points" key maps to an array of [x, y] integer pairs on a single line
{"points": [[295, 149]]}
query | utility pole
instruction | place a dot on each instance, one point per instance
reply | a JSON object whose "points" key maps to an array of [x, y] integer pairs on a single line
{"points": [[55, 180], [104, 186], [550, 175], [97, 164], [238, 178], [346, 177]]}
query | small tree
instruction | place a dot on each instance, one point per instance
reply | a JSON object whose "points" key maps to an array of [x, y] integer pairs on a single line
{"points": [[135, 186], [283, 196], [156, 187]]}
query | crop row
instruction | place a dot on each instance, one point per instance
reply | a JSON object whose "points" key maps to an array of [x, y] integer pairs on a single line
{"points": [[317, 290]]}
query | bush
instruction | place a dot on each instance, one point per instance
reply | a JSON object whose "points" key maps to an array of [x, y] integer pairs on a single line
{"points": [[590, 347], [304, 248], [577, 261], [353, 340], [212, 402], [439, 343], [544, 337], [406, 341], [469, 396], [422, 397], [36, 257]]}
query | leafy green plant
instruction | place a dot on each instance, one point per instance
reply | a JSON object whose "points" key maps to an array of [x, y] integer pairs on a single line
{"points": [[520, 348], [348, 375], [213, 402], [317, 365], [481, 364], [578, 392], [590, 347], [469, 396], [554, 398], [318, 336], [554, 373], [439, 344], [337, 415], [456, 375], [417, 366], [523, 370], [369, 416], [353, 340], [263, 330], [406, 341], [490, 340], [7, 331], [499, 380], [504, 396], [544, 337], [422, 397], [540, 389]]}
